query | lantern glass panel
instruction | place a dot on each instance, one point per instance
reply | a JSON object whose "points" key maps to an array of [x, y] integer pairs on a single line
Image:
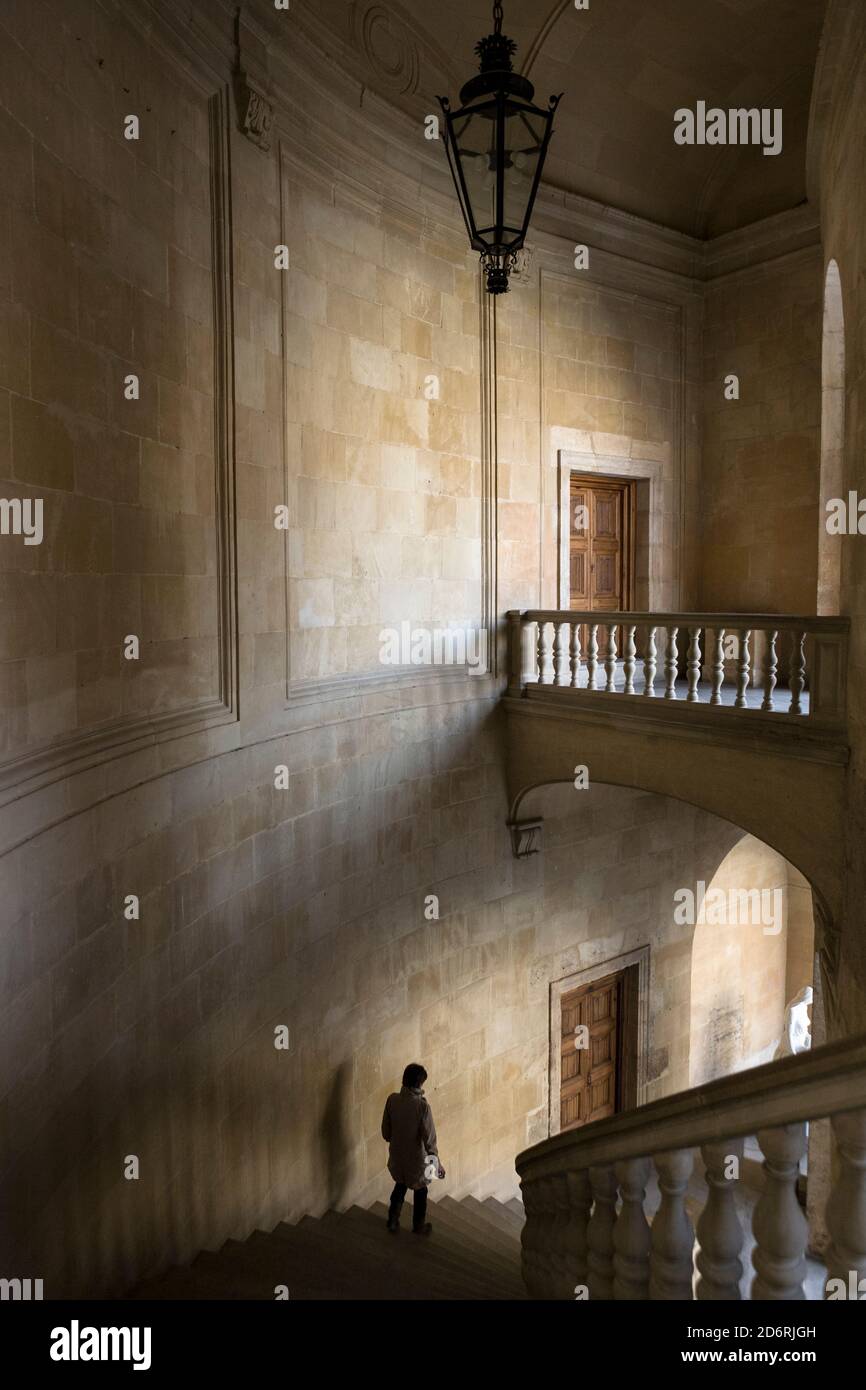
{"points": [[524, 140], [475, 139]]}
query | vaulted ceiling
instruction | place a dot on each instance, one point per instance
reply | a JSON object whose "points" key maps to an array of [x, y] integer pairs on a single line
{"points": [[625, 67]]}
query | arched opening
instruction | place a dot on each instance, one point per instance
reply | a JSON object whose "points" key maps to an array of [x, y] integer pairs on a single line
{"points": [[752, 955], [832, 440]]}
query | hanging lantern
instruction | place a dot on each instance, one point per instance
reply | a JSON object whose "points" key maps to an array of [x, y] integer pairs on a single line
{"points": [[497, 144]]}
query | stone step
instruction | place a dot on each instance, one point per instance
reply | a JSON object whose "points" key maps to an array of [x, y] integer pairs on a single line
{"points": [[415, 1256], [472, 1254], [500, 1266], [509, 1219], [492, 1238], [410, 1258], [313, 1265], [441, 1251], [496, 1218]]}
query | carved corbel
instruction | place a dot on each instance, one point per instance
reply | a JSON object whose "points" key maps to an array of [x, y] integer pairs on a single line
{"points": [[256, 112], [252, 83], [525, 837]]}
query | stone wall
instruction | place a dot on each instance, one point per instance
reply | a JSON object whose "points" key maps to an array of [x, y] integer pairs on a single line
{"points": [[108, 248], [308, 907], [838, 142], [382, 346], [761, 453]]}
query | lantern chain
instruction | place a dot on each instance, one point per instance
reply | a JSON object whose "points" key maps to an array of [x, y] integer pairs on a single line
{"points": [[497, 17]]}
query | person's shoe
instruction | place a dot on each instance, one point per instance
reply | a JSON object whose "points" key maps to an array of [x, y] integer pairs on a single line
{"points": [[394, 1220], [422, 1230]]}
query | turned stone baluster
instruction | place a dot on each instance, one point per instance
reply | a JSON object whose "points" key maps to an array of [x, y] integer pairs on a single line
{"points": [[650, 664], [798, 671], [592, 656], [770, 672], [559, 655], [718, 666], [720, 1236], [547, 1232], [599, 1232], [744, 668], [630, 663], [631, 1236], [575, 654], [529, 1264], [562, 1285], [610, 663], [542, 654], [846, 1209], [778, 1223], [694, 663], [673, 1238], [671, 664], [575, 1247]]}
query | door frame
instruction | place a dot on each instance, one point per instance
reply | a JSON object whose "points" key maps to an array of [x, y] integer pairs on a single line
{"points": [[652, 572], [640, 959], [628, 487]]}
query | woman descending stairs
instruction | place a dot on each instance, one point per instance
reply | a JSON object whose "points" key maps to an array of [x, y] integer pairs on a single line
{"points": [[473, 1252]]}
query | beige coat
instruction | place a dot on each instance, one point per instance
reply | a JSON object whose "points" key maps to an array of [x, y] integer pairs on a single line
{"points": [[409, 1131]]}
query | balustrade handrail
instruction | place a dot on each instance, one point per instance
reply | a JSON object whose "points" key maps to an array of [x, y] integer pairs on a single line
{"points": [[779, 621], [688, 655], [826, 1081]]}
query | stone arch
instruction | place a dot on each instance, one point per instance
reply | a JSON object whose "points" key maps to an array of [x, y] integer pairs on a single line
{"points": [[717, 993], [832, 439], [747, 965]]}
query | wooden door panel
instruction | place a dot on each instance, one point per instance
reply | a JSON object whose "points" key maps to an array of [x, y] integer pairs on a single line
{"points": [[600, 555], [589, 1075], [579, 579], [606, 515]]}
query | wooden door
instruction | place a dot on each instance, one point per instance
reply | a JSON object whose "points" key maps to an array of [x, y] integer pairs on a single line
{"points": [[590, 1081], [601, 542]]}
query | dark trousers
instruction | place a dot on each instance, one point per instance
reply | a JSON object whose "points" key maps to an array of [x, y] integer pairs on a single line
{"points": [[419, 1204]]}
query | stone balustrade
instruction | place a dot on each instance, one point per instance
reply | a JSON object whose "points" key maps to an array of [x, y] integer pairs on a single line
{"points": [[746, 664], [587, 1232]]}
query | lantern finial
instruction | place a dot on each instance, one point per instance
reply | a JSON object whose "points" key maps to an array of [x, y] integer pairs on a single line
{"points": [[497, 50]]}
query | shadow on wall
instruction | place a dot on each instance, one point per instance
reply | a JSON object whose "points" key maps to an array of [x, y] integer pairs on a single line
{"points": [[334, 1137]]}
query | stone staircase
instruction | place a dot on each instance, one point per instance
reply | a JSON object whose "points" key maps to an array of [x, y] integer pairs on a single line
{"points": [[472, 1253]]}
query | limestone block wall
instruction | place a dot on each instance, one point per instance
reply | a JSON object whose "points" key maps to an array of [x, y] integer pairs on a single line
{"points": [[760, 462], [598, 374], [108, 250], [383, 405]]}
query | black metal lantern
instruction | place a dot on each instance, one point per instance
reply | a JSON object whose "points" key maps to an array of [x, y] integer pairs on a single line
{"points": [[496, 144]]}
